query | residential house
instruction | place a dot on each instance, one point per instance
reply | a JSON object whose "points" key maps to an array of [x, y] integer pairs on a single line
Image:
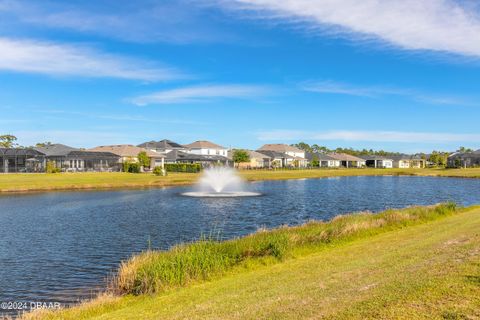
{"points": [[464, 159], [72, 159], [128, 152], [405, 161], [163, 146], [348, 161], [177, 156], [207, 148], [295, 157], [374, 161], [21, 160], [257, 160], [324, 160]]}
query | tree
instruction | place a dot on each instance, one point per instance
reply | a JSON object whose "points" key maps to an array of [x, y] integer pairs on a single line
{"points": [[303, 146], [464, 150], [240, 156], [315, 161], [143, 159], [43, 144], [7, 141]]}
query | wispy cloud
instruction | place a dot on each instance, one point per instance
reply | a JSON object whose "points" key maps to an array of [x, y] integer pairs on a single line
{"points": [[120, 117], [55, 59], [201, 93], [75, 138], [148, 21], [333, 87], [367, 136], [438, 25]]}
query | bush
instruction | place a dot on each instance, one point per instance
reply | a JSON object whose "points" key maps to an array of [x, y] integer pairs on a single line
{"points": [[183, 167], [158, 171], [52, 168], [131, 167]]}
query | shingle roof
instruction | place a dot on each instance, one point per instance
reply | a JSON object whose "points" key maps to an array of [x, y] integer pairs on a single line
{"points": [[374, 157], [320, 156], [127, 150], [202, 144], [57, 149], [162, 144], [278, 147], [252, 154], [275, 154], [345, 157]]}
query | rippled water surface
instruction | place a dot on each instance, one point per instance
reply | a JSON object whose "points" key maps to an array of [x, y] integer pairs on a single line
{"points": [[60, 246]]}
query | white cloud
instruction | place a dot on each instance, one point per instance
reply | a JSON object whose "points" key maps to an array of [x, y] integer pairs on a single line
{"points": [[151, 21], [438, 25], [367, 136], [333, 87], [75, 138], [201, 93], [55, 59]]}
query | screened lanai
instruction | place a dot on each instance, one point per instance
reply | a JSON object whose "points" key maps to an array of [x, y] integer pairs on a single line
{"points": [[21, 160]]}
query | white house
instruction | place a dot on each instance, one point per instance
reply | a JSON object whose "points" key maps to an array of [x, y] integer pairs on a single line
{"points": [[378, 161], [206, 148]]}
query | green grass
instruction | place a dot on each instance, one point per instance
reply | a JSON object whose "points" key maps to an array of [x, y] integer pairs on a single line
{"points": [[416, 263], [75, 181]]}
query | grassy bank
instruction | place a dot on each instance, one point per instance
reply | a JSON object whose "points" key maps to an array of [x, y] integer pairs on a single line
{"points": [[415, 263], [78, 181]]}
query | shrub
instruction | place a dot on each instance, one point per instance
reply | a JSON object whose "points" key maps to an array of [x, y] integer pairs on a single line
{"points": [[143, 159], [52, 168], [183, 167], [158, 171], [131, 167]]}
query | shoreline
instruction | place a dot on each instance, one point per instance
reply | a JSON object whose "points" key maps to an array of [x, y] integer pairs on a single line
{"points": [[39, 183], [367, 229]]}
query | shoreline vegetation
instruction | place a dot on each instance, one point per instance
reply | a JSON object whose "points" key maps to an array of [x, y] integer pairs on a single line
{"points": [[424, 256], [14, 183]]}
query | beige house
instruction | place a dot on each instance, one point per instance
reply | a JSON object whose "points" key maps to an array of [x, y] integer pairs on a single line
{"points": [[257, 160], [128, 152], [295, 157], [348, 161], [408, 161]]}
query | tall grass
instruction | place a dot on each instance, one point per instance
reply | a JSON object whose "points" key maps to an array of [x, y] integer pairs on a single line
{"points": [[156, 271]]}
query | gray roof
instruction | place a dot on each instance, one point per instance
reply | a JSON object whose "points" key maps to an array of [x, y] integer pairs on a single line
{"points": [[375, 157], [319, 156], [274, 154], [162, 144], [405, 157], [55, 150]]}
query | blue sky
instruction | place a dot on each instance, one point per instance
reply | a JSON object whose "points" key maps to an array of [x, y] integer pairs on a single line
{"points": [[394, 75]]}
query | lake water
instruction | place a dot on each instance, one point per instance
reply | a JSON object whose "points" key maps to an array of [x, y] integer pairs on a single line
{"points": [[60, 246]]}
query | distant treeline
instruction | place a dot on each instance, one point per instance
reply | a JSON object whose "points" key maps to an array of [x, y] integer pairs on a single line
{"points": [[436, 158], [315, 148]]}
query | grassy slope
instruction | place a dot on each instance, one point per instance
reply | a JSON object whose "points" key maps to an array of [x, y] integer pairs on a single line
{"points": [[45, 182], [428, 271]]}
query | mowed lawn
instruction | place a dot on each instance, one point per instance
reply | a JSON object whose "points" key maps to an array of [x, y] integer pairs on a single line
{"points": [[71, 181], [427, 271]]}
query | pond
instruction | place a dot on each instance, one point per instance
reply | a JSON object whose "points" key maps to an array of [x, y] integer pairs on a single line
{"points": [[60, 246]]}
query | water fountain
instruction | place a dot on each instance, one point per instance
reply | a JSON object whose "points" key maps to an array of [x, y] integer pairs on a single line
{"points": [[220, 182]]}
